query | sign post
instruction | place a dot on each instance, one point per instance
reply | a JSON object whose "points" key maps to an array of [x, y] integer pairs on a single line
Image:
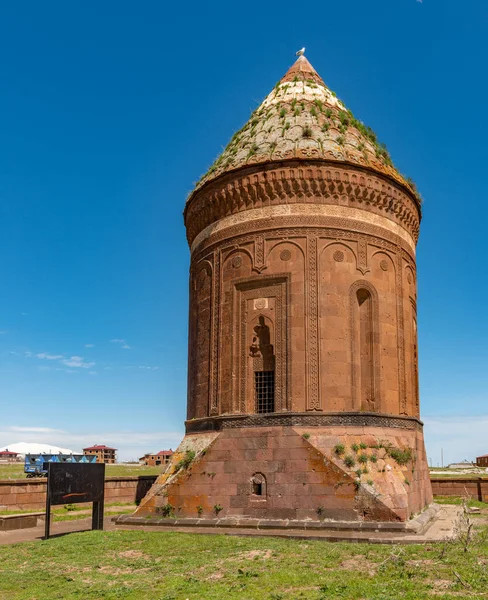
{"points": [[75, 482]]}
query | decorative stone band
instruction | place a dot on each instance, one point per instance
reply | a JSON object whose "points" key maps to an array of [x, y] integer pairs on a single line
{"points": [[301, 182], [333, 228], [305, 214], [344, 419]]}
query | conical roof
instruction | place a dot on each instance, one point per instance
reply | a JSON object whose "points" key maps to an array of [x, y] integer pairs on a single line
{"points": [[302, 118]]}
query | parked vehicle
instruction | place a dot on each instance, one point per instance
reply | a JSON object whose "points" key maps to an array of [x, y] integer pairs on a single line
{"points": [[36, 465]]}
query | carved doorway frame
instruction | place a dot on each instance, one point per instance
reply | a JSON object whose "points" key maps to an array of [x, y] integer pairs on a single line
{"points": [[253, 288]]}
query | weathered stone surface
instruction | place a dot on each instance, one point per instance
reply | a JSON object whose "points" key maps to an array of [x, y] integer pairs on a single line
{"points": [[302, 378]]}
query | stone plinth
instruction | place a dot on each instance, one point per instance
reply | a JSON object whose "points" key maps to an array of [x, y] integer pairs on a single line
{"points": [[303, 473]]}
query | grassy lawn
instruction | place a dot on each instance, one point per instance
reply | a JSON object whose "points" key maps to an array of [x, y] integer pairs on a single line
{"points": [[16, 471], [176, 566], [73, 512]]}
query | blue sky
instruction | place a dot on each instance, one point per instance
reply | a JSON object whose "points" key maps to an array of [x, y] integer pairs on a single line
{"points": [[109, 113]]}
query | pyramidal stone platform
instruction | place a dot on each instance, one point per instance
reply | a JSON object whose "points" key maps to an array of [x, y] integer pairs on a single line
{"points": [[340, 473]]}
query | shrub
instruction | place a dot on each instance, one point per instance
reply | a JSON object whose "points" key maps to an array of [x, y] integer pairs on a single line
{"points": [[199, 510], [373, 458], [349, 461], [186, 461], [307, 132], [167, 510], [355, 447], [305, 436], [217, 508], [363, 446], [339, 449], [363, 459], [401, 457]]}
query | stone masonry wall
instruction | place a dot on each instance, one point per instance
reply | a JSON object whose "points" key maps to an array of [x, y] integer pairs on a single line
{"points": [[30, 494], [301, 472], [476, 489]]}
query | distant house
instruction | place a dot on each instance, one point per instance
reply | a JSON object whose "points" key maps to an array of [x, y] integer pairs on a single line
{"points": [[482, 461], [9, 457], [154, 460], [104, 454]]}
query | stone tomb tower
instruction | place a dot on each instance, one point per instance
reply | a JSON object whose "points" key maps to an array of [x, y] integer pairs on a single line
{"points": [[303, 395]]}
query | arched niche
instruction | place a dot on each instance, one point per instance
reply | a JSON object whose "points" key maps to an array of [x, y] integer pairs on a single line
{"points": [[365, 347]]}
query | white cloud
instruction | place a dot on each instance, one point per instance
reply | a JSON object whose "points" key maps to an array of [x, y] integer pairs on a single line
{"points": [[44, 356], [3, 332], [35, 429], [77, 362], [123, 343], [92, 373], [89, 345]]}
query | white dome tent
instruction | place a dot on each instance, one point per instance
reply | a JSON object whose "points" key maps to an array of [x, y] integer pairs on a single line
{"points": [[23, 448]]}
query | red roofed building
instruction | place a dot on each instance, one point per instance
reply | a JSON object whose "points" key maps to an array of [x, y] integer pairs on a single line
{"points": [[104, 454], [153, 460], [7, 456], [482, 461]]}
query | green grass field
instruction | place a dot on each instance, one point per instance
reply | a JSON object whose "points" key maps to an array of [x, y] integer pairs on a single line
{"points": [[136, 565], [16, 471], [72, 512]]}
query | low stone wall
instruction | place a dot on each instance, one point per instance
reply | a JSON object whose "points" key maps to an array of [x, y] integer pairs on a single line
{"points": [[30, 494], [477, 488]]}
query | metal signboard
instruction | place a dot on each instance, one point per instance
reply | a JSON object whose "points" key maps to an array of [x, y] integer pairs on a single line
{"points": [[76, 482]]}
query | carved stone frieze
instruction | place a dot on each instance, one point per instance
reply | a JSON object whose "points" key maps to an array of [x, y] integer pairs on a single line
{"points": [[313, 371], [291, 183], [401, 335], [308, 419], [294, 227], [214, 370]]}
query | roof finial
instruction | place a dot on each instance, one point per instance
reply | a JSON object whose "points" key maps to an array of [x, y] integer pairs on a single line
{"points": [[301, 52]]}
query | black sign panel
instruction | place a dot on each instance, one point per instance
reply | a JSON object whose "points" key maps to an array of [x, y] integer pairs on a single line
{"points": [[75, 482], [69, 483]]}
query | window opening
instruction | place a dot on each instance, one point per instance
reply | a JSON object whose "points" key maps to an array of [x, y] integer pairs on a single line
{"points": [[264, 382], [258, 486]]}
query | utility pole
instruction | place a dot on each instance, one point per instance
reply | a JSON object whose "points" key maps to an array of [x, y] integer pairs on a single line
{"points": [[442, 457]]}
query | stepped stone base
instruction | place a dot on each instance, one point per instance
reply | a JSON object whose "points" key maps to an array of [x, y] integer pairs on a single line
{"points": [[298, 473]]}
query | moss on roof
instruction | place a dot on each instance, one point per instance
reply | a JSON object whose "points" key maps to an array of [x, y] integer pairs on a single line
{"points": [[302, 118]]}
